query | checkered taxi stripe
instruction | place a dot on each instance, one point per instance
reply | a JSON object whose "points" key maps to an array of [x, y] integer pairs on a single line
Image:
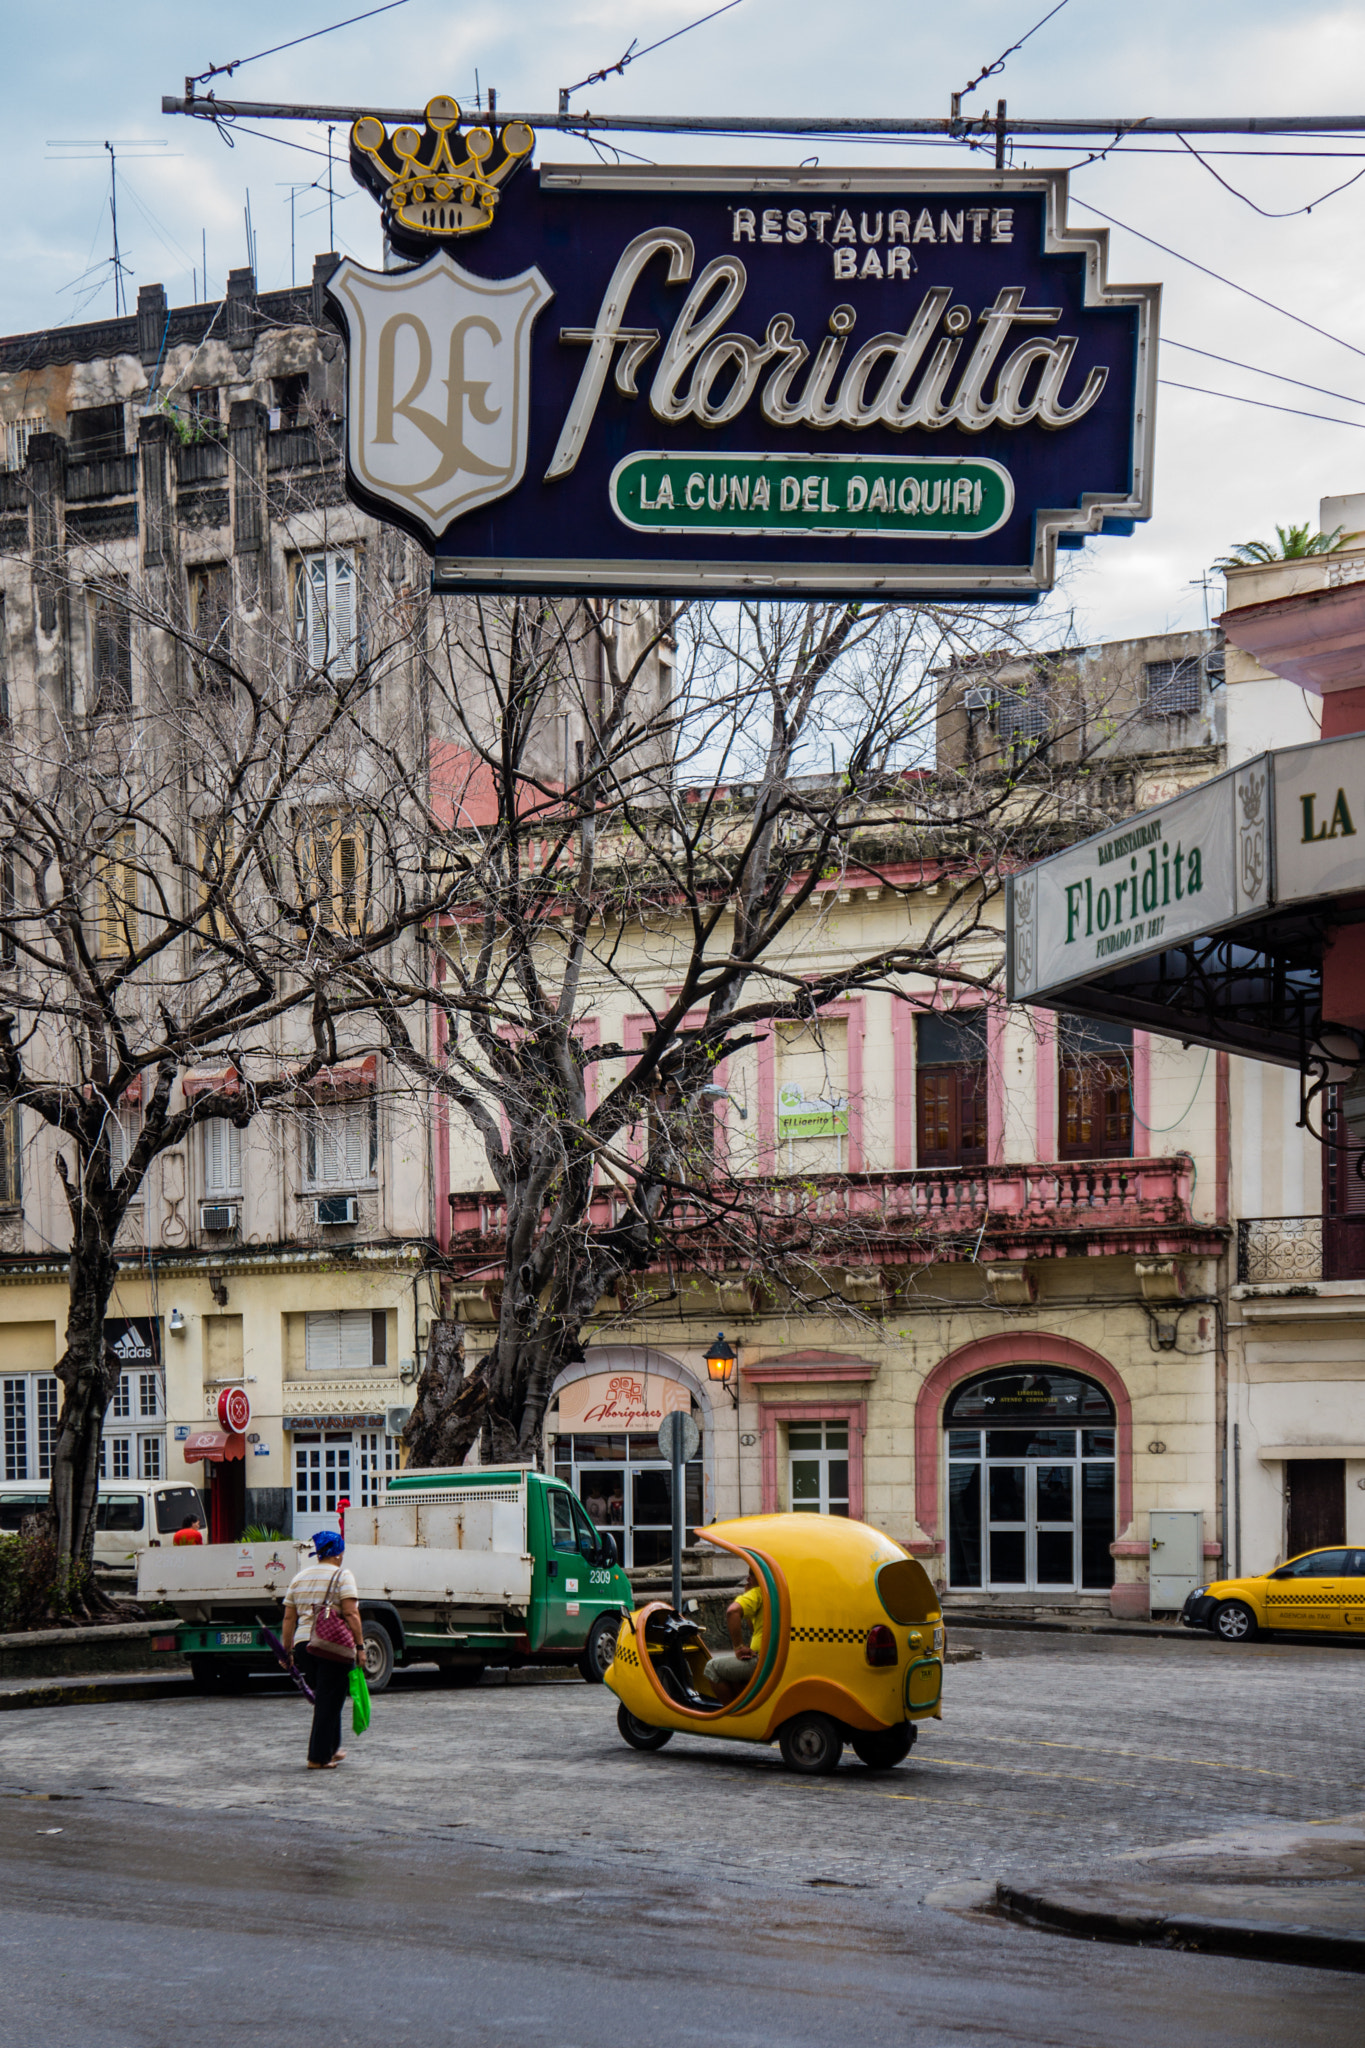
{"points": [[829, 1635], [1327, 1598], [626, 1655]]}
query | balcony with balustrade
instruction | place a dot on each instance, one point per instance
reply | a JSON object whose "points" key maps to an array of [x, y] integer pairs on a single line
{"points": [[1093, 1208]]}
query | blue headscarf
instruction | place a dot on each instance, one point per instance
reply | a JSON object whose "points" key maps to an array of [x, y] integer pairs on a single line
{"points": [[327, 1543]]}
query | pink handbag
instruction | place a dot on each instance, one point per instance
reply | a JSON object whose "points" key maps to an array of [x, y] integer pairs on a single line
{"points": [[330, 1637]]}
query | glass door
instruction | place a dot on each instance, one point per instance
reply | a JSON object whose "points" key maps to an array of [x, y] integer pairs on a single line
{"points": [[627, 1488], [1030, 1509]]}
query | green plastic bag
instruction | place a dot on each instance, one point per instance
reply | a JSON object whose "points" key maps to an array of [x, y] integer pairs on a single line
{"points": [[360, 1701]]}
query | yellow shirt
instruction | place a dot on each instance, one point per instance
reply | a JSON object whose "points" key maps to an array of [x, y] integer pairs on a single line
{"points": [[750, 1605]]}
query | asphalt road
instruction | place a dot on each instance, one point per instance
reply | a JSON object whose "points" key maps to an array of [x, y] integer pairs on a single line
{"points": [[496, 1866]]}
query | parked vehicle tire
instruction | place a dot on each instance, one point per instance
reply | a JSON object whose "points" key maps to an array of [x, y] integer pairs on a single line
{"points": [[884, 1749], [639, 1734], [377, 1655], [1235, 1622], [600, 1648], [810, 1744]]}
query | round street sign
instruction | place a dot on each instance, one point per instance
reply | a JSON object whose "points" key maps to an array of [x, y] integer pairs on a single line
{"points": [[680, 1424], [234, 1410]]}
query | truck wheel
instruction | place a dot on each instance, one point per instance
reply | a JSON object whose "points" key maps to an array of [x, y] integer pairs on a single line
{"points": [[639, 1734], [204, 1672], [377, 1655], [810, 1744], [883, 1749], [600, 1648], [1234, 1622]]}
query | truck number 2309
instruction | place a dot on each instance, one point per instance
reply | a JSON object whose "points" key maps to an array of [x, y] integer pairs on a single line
{"points": [[599, 1578]]}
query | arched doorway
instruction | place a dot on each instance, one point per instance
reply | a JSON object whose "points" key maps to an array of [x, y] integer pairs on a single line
{"points": [[603, 1441], [1031, 1481]]}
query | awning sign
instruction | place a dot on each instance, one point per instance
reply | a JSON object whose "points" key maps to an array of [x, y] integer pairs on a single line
{"points": [[701, 379], [1281, 830]]}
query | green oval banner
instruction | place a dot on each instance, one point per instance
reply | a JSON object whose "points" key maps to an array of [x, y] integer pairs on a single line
{"points": [[943, 498]]}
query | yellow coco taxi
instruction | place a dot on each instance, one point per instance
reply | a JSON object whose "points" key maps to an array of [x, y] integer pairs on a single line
{"points": [[851, 1650], [1324, 1590]]}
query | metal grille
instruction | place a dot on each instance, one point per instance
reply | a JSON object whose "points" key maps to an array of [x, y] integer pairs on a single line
{"points": [[1021, 719], [441, 1496], [1279, 1248], [1174, 687]]}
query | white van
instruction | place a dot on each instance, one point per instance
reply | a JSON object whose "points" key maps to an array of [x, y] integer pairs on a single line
{"points": [[131, 1515]]}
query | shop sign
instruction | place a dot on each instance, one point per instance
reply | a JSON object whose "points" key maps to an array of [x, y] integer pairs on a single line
{"points": [[133, 1341], [1283, 829], [809, 1116], [705, 379], [620, 1402], [234, 1410]]}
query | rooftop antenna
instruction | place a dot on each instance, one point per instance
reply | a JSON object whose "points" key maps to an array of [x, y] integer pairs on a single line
{"points": [[294, 191], [1202, 583], [204, 251], [331, 222], [113, 215]]}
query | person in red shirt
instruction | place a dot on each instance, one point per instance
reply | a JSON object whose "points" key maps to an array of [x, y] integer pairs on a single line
{"points": [[188, 1532]]}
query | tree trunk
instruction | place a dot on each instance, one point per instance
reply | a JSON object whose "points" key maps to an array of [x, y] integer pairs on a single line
{"points": [[87, 1387]]}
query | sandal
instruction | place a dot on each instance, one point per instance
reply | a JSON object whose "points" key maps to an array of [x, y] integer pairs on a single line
{"points": [[338, 1756]]}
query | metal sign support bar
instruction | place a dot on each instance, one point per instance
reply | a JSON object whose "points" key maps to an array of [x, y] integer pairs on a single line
{"points": [[986, 127]]}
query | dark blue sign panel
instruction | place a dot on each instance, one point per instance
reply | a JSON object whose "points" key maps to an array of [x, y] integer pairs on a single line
{"points": [[732, 382]]}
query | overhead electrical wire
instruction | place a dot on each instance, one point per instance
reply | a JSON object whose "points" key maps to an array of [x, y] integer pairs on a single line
{"points": [[226, 70], [633, 56], [1262, 404], [1217, 277], [1256, 371], [1291, 212], [1005, 55]]}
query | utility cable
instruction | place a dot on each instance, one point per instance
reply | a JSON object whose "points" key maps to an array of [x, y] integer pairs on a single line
{"points": [[1005, 55], [1245, 290], [1291, 212], [1262, 404], [1256, 371], [226, 70], [633, 56]]}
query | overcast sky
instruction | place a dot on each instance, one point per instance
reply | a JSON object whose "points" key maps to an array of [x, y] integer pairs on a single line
{"points": [[1224, 471]]}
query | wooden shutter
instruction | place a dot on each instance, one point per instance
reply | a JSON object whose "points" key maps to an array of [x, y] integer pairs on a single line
{"points": [[1096, 1107], [222, 1157]]}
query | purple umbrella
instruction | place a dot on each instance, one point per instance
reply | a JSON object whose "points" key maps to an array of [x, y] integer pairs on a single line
{"points": [[286, 1659]]}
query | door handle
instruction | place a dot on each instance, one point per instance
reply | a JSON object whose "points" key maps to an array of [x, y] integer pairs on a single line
{"points": [[551, 1568]]}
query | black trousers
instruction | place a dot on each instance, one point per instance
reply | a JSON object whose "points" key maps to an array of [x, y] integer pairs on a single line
{"points": [[331, 1683]]}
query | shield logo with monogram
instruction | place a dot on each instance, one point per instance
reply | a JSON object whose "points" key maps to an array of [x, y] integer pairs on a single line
{"points": [[438, 366]]}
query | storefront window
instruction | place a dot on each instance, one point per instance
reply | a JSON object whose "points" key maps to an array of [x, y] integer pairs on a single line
{"points": [[627, 1487], [1030, 1501]]}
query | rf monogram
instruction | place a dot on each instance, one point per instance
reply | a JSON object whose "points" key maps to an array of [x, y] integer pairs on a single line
{"points": [[462, 393]]}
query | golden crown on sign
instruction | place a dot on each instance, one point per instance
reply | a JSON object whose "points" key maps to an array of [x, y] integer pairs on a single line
{"points": [[434, 182]]}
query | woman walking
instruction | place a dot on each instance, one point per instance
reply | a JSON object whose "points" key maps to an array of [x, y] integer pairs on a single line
{"points": [[324, 1588]]}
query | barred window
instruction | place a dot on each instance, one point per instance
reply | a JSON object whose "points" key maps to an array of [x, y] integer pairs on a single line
{"points": [[211, 618], [18, 434], [11, 1140], [1174, 687], [111, 650]]}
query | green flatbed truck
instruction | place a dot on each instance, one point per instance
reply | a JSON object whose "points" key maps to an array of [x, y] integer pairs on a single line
{"points": [[462, 1568]]}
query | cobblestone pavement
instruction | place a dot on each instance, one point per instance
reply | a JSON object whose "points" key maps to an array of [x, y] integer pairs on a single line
{"points": [[1052, 1753]]}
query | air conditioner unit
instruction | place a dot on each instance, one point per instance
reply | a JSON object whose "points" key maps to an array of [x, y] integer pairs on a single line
{"points": [[218, 1216], [978, 697], [336, 1209], [396, 1420]]}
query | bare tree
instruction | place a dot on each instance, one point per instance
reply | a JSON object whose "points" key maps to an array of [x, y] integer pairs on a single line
{"points": [[185, 872], [621, 824]]}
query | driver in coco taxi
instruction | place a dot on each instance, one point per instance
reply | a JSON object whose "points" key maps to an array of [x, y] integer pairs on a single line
{"points": [[729, 1674]]}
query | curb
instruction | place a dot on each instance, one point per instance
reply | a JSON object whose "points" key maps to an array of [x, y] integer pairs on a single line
{"points": [[1315, 1948], [1144, 1631], [96, 1692]]}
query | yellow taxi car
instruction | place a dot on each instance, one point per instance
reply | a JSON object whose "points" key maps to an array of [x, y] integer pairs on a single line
{"points": [[1323, 1590], [851, 1650]]}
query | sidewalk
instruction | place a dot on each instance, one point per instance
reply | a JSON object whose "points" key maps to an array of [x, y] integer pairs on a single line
{"points": [[1278, 1893]]}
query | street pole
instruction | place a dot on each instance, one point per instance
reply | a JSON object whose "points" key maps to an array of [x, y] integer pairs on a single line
{"points": [[677, 1447]]}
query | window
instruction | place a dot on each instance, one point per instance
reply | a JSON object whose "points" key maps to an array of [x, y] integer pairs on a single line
{"points": [[111, 650], [201, 407], [291, 400], [326, 624], [149, 1457], [120, 1450], [173, 1504], [116, 895], [215, 849], [122, 1513], [1031, 1486], [16, 1428], [322, 1472], [334, 871], [9, 908], [148, 1396], [4, 668], [11, 1177], [211, 622], [377, 1455], [222, 1155], [341, 1144], [950, 1088], [1343, 1188], [345, 1340], [1096, 1068], [95, 432], [45, 1402], [18, 434], [121, 1407], [1174, 687], [812, 1094], [1021, 718], [818, 1452], [124, 1126]]}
